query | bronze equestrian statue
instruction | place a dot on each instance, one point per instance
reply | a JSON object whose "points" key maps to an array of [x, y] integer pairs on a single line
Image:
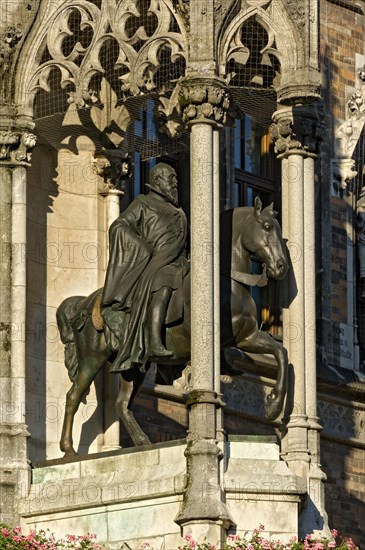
{"points": [[143, 312]]}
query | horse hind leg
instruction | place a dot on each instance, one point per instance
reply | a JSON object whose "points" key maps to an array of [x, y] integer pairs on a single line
{"points": [[262, 342], [87, 370], [130, 384]]}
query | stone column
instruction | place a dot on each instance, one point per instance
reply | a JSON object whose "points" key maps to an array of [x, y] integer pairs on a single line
{"points": [[295, 133], [216, 278], [14, 467], [112, 168], [203, 513], [111, 382]]}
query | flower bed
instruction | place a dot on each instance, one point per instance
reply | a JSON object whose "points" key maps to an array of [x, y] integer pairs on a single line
{"points": [[14, 539], [257, 542]]}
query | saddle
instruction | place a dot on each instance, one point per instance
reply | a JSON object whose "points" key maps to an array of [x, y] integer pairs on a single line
{"points": [[90, 307]]}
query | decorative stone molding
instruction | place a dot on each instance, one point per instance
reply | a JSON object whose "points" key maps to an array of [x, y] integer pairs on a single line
{"points": [[341, 421], [299, 87], [15, 146], [114, 168], [297, 130]]}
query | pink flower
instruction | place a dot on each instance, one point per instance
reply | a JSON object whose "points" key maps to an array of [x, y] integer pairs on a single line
{"points": [[334, 533], [332, 544], [350, 544]]}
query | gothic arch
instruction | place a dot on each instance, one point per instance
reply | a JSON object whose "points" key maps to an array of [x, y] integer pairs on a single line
{"points": [[281, 30], [70, 37]]}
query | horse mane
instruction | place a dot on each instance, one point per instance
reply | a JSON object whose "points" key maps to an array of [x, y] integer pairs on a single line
{"points": [[231, 222]]}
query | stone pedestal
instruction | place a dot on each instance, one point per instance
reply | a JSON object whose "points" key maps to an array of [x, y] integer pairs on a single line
{"points": [[132, 496]]}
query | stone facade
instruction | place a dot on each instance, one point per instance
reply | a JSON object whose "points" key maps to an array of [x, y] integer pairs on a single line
{"points": [[91, 93]]}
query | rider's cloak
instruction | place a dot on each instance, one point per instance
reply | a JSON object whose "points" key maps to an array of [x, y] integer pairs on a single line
{"points": [[147, 251]]}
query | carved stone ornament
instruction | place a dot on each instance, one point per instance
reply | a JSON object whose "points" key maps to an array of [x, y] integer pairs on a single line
{"points": [[196, 100], [342, 421], [8, 41], [343, 172], [114, 169], [303, 134], [296, 10], [148, 35], [347, 137], [15, 146], [200, 101]]}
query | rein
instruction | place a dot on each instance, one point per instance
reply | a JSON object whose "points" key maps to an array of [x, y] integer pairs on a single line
{"points": [[249, 279]]}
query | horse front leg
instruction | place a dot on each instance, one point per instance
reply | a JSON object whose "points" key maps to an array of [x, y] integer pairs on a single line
{"points": [[131, 382], [262, 342], [87, 370]]}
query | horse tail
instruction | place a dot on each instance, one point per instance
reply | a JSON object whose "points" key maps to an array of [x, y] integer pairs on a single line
{"points": [[64, 315]]}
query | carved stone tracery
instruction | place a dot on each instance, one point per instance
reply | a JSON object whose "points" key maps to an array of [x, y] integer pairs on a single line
{"points": [[236, 49], [150, 38]]}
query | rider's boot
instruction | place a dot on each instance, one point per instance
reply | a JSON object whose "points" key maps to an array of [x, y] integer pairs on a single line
{"points": [[156, 317]]}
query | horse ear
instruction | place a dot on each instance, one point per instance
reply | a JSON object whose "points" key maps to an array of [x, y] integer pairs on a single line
{"points": [[258, 206], [271, 210]]}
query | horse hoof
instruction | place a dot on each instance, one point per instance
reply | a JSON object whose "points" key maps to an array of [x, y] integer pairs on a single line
{"points": [[69, 452], [142, 441], [273, 406]]}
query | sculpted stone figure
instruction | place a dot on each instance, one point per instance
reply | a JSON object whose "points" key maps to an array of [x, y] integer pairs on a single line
{"points": [[146, 269]]}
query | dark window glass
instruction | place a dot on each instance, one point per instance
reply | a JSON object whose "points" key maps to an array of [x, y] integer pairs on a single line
{"points": [[257, 173]]}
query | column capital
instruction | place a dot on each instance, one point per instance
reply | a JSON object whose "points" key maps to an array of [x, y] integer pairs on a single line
{"points": [[114, 167], [198, 100], [15, 147], [297, 130], [16, 137], [206, 100]]}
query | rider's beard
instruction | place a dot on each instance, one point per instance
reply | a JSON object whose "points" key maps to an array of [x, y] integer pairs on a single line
{"points": [[173, 196]]}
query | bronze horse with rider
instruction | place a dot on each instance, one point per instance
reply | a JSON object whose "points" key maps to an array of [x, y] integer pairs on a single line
{"points": [[249, 231]]}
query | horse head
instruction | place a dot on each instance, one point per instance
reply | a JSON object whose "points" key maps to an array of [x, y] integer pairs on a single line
{"points": [[261, 236]]}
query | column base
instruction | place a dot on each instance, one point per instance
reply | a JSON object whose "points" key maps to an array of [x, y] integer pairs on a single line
{"points": [[209, 531], [202, 503], [313, 518], [14, 471]]}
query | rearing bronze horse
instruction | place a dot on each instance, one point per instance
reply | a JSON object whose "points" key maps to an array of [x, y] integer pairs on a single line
{"points": [[250, 231]]}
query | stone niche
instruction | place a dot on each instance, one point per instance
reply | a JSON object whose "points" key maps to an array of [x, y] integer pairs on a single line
{"points": [[65, 257]]}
